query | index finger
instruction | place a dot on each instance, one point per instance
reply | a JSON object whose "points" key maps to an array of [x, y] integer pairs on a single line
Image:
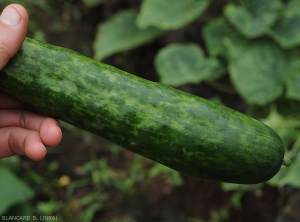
{"points": [[9, 102]]}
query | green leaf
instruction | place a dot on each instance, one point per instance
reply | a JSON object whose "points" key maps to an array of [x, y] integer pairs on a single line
{"points": [[120, 34], [173, 177], [260, 69], [286, 128], [254, 17], [12, 190], [20, 209], [227, 187], [179, 64], [48, 207], [286, 31], [293, 86], [93, 2], [172, 14], [214, 34], [288, 175]]}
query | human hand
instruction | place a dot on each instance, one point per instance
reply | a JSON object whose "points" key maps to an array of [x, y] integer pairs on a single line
{"points": [[22, 132]]}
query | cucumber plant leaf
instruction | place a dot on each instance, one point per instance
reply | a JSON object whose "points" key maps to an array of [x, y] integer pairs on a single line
{"points": [[293, 86], [214, 33], [288, 175], [286, 30], [120, 34], [260, 69], [254, 17], [12, 190], [286, 128], [93, 3], [179, 64], [168, 15]]}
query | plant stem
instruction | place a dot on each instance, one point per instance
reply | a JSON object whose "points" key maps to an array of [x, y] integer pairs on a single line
{"points": [[221, 87]]}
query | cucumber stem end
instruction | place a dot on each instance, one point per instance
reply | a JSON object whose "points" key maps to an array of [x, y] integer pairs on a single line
{"points": [[286, 161]]}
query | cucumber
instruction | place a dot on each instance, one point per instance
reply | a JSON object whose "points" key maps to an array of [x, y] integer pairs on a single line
{"points": [[182, 131]]}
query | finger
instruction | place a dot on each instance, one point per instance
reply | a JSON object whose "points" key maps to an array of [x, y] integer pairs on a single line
{"points": [[16, 140], [48, 128], [50, 132], [8, 101], [13, 28]]}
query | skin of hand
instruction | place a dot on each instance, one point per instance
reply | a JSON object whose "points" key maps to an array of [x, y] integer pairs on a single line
{"points": [[22, 132]]}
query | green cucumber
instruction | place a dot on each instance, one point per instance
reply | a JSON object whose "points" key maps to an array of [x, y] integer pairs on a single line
{"points": [[182, 131]]}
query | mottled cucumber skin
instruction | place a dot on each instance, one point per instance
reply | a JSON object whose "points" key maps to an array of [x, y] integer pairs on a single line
{"points": [[184, 132]]}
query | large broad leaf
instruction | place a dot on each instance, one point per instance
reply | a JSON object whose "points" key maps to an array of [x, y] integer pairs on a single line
{"points": [[12, 190], [254, 17], [293, 86], [214, 34], [287, 30], [286, 128], [288, 175], [178, 64], [170, 14], [119, 34], [259, 69]]}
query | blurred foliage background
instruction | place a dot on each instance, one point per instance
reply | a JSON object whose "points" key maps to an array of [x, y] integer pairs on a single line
{"points": [[241, 53]]}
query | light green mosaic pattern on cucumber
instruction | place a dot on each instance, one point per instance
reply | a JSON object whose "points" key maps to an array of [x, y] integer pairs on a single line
{"points": [[179, 130]]}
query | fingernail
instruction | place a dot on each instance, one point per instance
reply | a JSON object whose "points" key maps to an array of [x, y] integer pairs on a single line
{"points": [[10, 16]]}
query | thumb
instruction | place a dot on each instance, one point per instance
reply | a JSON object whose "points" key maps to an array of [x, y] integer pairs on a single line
{"points": [[13, 28]]}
